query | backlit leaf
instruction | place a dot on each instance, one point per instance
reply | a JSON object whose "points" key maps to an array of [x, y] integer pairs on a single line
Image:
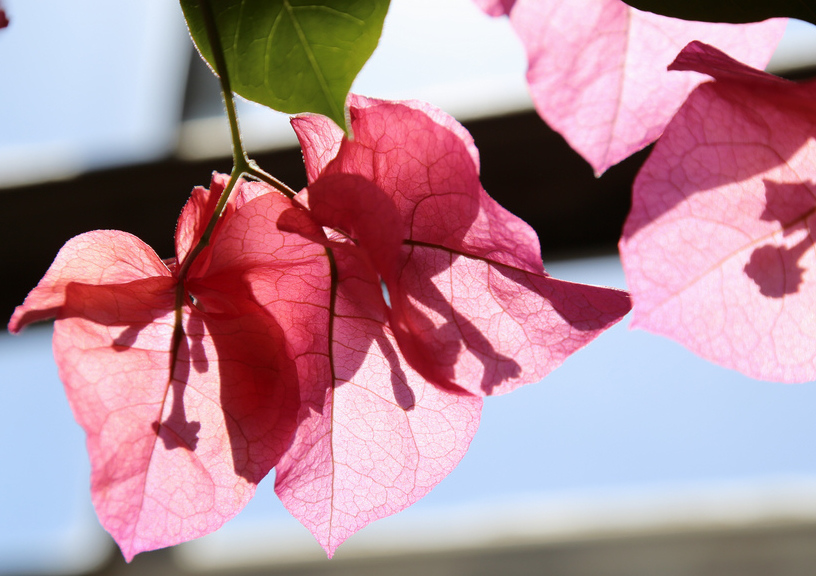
{"points": [[292, 55]]}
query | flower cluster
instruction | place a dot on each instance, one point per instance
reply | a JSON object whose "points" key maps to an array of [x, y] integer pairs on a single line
{"points": [[345, 337]]}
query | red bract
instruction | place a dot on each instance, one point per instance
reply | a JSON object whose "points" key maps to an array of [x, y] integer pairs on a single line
{"points": [[182, 424], [186, 407], [597, 68], [470, 312], [718, 248]]}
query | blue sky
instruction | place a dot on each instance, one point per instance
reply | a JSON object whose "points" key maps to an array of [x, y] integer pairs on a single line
{"points": [[88, 83]]}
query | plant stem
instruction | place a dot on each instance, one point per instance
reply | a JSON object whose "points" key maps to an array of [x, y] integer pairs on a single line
{"points": [[263, 176], [241, 164], [205, 236], [214, 38]]}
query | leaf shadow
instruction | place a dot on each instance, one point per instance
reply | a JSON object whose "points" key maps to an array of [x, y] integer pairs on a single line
{"points": [[445, 341], [134, 307], [258, 382], [775, 269], [360, 290], [176, 431], [361, 300], [403, 394], [128, 337], [655, 193]]}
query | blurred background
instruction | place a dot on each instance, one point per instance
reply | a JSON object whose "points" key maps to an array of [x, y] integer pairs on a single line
{"points": [[634, 458]]}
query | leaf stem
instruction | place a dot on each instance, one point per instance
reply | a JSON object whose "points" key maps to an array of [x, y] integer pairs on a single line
{"points": [[204, 241], [241, 164], [332, 304], [214, 38], [255, 171]]}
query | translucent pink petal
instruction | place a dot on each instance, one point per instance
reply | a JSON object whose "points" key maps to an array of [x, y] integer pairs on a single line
{"points": [[407, 208], [375, 436], [496, 327], [196, 214], [98, 257], [184, 416], [271, 237], [472, 305], [597, 69], [198, 210], [428, 165], [358, 207], [173, 458], [320, 140], [718, 247]]}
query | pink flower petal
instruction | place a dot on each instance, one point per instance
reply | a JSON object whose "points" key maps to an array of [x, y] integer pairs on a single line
{"points": [[390, 392], [597, 69], [495, 7], [718, 249], [374, 435], [173, 458], [472, 297], [186, 411], [99, 257]]}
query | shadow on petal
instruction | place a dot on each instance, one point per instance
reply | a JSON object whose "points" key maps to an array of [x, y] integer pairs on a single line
{"points": [[775, 269], [259, 391]]}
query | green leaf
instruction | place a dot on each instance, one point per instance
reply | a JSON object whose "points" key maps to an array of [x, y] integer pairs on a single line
{"points": [[292, 55], [737, 11]]}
